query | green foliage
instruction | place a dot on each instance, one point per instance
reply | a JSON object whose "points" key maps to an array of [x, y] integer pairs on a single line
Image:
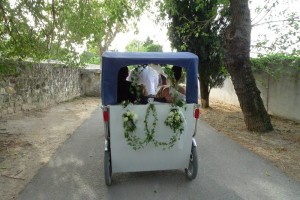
{"points": [[89, 57], [148, 42], [147, 46], [8, 68], [150, 133], [154, 48], [196, 26], [276, 64], [281, 23], [135, 46], [20, 34], [40, 30]]}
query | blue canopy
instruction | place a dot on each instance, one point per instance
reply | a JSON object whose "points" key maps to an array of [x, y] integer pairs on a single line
{"points": [[113, 61]]}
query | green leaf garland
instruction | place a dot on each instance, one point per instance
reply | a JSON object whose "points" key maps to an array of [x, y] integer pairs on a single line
{"points": [[175, 121], [150, 133]]}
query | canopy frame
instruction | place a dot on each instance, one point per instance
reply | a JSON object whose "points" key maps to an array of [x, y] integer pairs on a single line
{"points": [[113, 61]]}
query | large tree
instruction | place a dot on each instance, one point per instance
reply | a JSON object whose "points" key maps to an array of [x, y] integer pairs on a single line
{"points": [[237, 62], [54, 29], [194, 26]]}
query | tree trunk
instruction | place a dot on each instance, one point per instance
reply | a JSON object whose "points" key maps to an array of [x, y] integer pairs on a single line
{"points": [[204, 83], [237, 62], [204, 91]]}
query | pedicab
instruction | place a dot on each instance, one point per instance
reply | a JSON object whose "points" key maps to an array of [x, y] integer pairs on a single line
{"points": [[154, 135]]}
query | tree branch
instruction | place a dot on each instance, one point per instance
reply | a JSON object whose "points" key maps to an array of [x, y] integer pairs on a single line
{"points": [[265, 7], [276, 21]]}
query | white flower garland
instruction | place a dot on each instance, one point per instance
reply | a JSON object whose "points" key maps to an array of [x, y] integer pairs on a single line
{"points": [[129, 124], [175, 121]]}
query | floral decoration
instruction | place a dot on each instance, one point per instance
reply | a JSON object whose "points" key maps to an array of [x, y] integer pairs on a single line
{"points": [[175, 121], [129, 123]]}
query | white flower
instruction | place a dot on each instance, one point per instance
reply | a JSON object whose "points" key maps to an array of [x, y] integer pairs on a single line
{"points": [[177, 117], [125, 119], [135, 116]]}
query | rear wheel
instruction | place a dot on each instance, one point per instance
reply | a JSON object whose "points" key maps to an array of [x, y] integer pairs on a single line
{"points": [[192, 170], [107, 168]]}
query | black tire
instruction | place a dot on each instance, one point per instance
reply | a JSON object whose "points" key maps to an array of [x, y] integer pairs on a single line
{"points": [[192, 170], [107, 168]]}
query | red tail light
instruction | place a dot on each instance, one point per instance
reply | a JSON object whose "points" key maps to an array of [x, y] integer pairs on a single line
{"points": [[105, 116], [197, 113]]}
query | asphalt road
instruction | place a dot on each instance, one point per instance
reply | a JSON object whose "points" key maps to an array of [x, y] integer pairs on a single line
{"points": [[226, 171]]}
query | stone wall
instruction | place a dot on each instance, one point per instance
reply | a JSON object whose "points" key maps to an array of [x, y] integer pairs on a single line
{"points": [[90, 82], [38, 86]]}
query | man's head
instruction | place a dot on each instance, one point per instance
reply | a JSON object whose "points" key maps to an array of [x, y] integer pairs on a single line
{"points": [[177, 72], [123, 73]]}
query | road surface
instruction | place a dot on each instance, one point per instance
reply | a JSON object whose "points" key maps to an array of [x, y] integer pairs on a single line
{"points": [[226, 171]]}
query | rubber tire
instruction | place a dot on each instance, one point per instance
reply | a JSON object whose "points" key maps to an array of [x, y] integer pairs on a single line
{"points": [[192, 170], [107, 168]]}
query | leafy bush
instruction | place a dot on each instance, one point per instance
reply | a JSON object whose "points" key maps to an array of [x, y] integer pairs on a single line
{"points": [[276, 64]]}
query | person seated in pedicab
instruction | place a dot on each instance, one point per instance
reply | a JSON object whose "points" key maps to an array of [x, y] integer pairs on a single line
{"points": [[149, 78], [162, 80], [170, 92], [126, 92]]}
